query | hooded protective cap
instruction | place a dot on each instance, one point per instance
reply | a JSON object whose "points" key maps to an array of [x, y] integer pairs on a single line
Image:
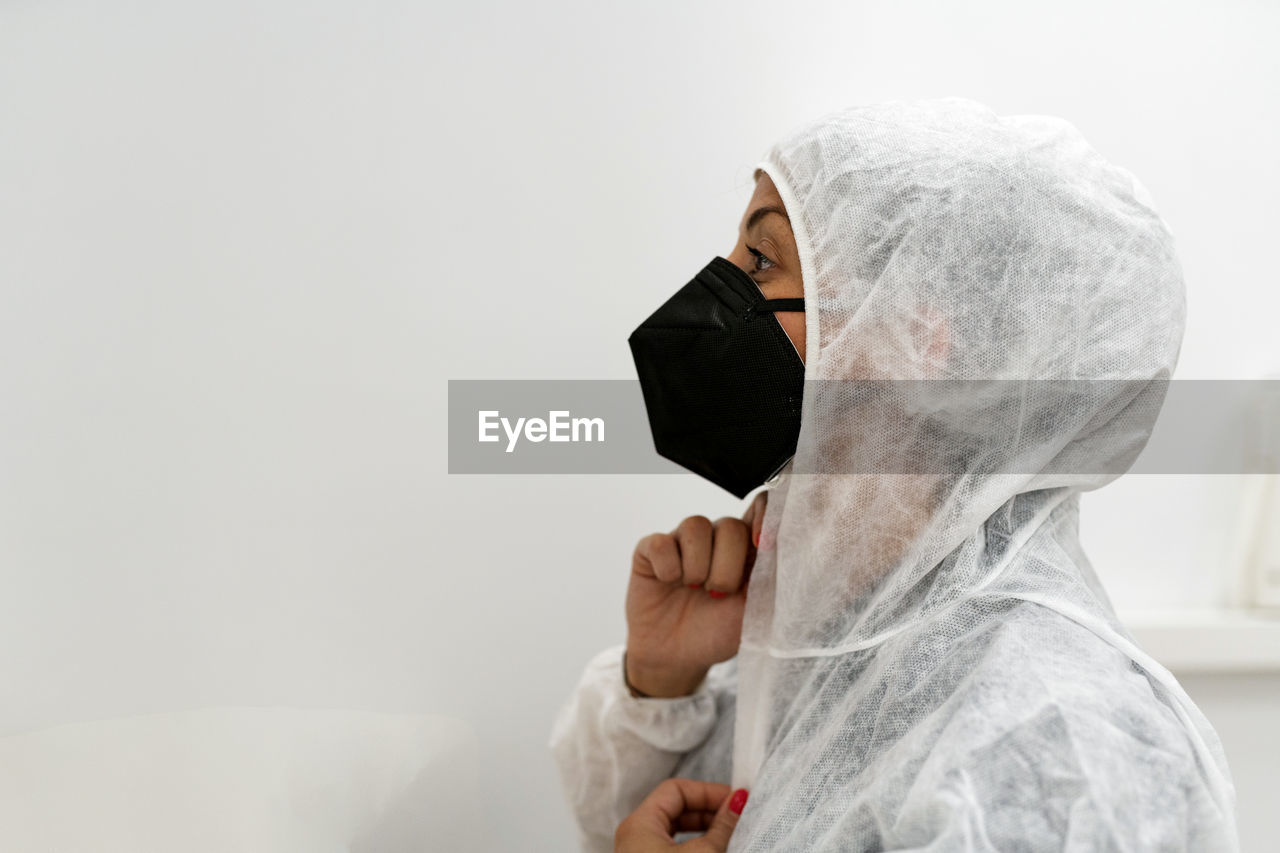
{"points": [[927, 659]]}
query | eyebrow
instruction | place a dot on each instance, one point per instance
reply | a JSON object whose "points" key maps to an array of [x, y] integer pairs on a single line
{"points": [[761, 212]]}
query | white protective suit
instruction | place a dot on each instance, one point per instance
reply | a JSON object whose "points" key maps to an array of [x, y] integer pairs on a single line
{"points": [[929, 662]]}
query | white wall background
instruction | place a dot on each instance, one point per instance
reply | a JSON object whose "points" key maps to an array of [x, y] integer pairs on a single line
{"points": [[245, 244]]}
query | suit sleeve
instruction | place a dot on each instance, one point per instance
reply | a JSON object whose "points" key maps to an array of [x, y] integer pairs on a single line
{"points": [[611, 749]]}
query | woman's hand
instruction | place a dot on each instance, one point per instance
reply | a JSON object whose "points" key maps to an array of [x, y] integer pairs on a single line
{"points": [[682, 805], [686, 599]]}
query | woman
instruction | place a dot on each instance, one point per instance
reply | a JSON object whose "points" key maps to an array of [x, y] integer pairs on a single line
{"points": [[904, 646]]}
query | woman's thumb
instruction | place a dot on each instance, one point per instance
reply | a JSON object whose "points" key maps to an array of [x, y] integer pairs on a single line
{"points": [[726, 819]]}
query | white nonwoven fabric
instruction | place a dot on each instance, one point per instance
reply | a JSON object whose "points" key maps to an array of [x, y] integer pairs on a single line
{"points": [[928, 661]]}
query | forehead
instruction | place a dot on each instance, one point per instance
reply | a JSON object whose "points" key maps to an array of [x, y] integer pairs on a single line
{"points": [[765, 195]]}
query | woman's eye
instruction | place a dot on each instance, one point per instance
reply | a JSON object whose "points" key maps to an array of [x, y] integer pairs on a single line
{"points": [[761, 262]]}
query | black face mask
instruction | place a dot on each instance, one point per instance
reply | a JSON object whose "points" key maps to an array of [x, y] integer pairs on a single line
{"points": [[722, 382]]}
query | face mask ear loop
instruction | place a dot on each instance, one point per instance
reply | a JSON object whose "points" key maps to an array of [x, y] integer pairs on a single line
{"points": [[769, 306]]}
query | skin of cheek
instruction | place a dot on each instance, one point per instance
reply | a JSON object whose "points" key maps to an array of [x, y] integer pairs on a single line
{"points": [[776, 287]]}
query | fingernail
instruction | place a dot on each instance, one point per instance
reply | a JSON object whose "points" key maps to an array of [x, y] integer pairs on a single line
{"points": [[695, 586], [738, 801], [755, 538], [715, 593]]}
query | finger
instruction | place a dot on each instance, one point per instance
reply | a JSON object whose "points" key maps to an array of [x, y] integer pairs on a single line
{"points": [[725, 821], [658, 556], [728, 556], [674, 797], [695, 821], [754, 515], [693, 537], [658, 815]]}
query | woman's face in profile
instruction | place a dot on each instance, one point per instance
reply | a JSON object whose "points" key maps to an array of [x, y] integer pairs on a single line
{"points": [[766, 251], [913, 345]]}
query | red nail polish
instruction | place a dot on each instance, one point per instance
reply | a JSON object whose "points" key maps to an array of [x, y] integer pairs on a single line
{"points": [[755, 538], [695, 586], [738, 801], [715, 593]]}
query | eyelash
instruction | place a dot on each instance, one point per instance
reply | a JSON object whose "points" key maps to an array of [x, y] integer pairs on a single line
{"points": [[759, 256]]}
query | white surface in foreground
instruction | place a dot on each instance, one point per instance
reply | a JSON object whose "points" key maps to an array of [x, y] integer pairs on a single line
{"points": [[241, 779]]}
